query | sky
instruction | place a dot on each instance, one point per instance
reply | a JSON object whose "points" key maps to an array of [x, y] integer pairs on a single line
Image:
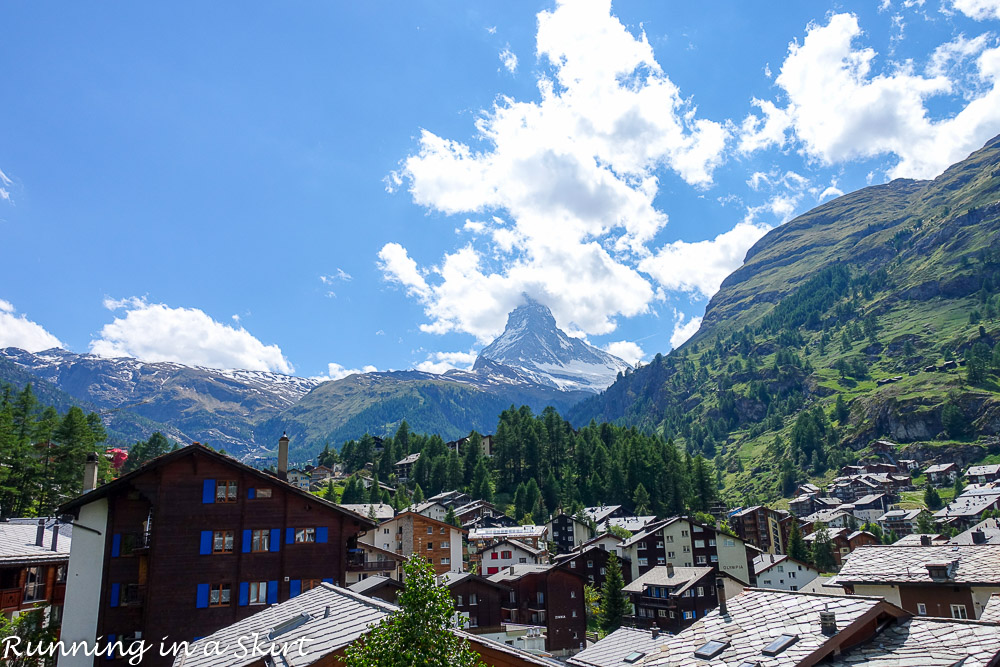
{"points": [[318, 188]]}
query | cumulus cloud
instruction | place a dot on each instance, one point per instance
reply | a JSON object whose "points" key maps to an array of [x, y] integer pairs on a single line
{"points": [[157, 332], [18, 331], [439, 362], [338, 275], [4, 184], [626, 350], [838, 109], [508, 59], [979, 10], [574, 175], [700, 267], [336, 371], [683, 330]]}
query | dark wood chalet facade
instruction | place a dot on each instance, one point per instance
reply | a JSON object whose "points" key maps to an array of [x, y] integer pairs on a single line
{"points": [[550, 596], [195, 541]]}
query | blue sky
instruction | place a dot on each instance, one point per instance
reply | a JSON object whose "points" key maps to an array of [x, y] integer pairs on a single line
{"points": [[321, 187]]}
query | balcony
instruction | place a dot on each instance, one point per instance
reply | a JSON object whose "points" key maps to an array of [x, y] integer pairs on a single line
{"points": [[10, 598], [133, 595], [356, 563]]}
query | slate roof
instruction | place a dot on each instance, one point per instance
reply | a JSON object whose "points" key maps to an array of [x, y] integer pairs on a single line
{"points": [[927, 642], [876, 564], [649, 529], [940, 467], [991, 612], [412, 458], [514, 572], [450, 579], [681, 579], [373, 583], [757, 617], [914, 540], [612, 650], [983, 470], [989, 527], [599, 514], [765, 562], [825, 516], [900, 515], [971, 503], [17, 545], [382, 511], [632, 524]]}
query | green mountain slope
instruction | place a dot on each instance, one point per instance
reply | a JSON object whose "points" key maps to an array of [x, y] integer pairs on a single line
{"points": [[851, 302]]}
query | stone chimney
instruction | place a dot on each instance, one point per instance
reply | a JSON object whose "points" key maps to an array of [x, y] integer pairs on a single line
{"points": [[655, 631], [925, 540], [40, 533], [828, 622], [720, 593], [978, 537], [55, 536], [90, 473], [283, 457], [670, 569]]}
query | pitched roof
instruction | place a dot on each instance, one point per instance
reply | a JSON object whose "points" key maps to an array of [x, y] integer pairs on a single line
{"points": [[764, 562], [679, 578], [989, 527], [891, 564], [373, 583], [450, 579], [613, 649], [940, 467], [983, 470], [913, 540], [17, 545], [758, 617], [649, 530], [514, 572], [381, 510], [412, 458], [517, 545], [197, 449], [502, 532], [632, 524], [970, 503], [930, 642], [599, 514]]}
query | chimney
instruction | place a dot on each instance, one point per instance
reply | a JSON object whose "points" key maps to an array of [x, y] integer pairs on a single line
{"points": [[655, 631], [828, 622], [90, 472], [55, 536], [283, 457], [40, 533], [720, 593], [670, 569], [978, 537], [925, 540]]}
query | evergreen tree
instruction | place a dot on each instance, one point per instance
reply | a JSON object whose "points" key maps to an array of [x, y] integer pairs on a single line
{"points": [[925, 524], [451, 518], [840, 410], [932, 499], [614, 604], [420, 632], [641, 500], [822, 551], [953, 420], [146, 450], [418, 495], [959, 486], [797, 548], [482, 487]]}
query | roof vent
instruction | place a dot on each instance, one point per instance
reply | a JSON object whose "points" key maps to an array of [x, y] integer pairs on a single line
{"points": [[828, 622], [925, 540], [779, 645], [288, 626], [978, 537], [710, 649]]}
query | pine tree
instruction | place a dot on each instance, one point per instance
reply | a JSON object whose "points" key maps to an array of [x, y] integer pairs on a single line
{"points": [[614, 604], [822, 551], [418, 494], [797, 548], [641, 499], [420, 632], [482, 487], [932, 499], [925, 524], [841, 411], [451, 518]]}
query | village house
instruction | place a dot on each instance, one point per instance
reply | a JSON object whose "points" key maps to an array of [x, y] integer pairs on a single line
{"points": [[477, 599], [375, 511], [546, 595], [568, 531], [33, 563], [378, 586], [404, 467], [323, 622], [685, 543], [952, 581], [591, 560], [632, 524], [983, 474], [366, 560], [430, 508], [623, 647], [477, 509], [900, 521], [967, 509], [451, 499], [986, 531], [672, 598], [481, 538], [844, 541], [942, 474], [806, 504], [507, 552], [410, 534], [191, 542], [761, 527], [782, 572], [299, 478]]}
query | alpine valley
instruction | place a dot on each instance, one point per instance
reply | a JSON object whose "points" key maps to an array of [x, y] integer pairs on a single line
{"points": [[871, 316]]}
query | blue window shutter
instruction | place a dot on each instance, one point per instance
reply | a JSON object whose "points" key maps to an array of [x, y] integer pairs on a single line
{"points": [[206, 542], [272, 592], [247, 539], [321, 535], [251, 493], [294, 588], [116, 545], [289, 535], [115, 594], [244, 593], [202, 599], [208, 491], [275, 541], [328, 581]]}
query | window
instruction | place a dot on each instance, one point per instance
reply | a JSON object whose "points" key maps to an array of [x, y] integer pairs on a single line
{"points": [[494, 555], [473, 599], [711, 542], [687, 548], [225, 491], [701, 591], [660, 560], [662, 613], [669, 538], [430, 545], [385, 531], [699, 544], [219, 595], [222, 542], [714, 558], [781, 568], [34, 584], [60, 576], [603, 572], [702, 560], [506, 554], [574, 613], [446, 561], [309, 584], [779, 645], [522, 560], [791, 575], [473, 621], [688, 615], [258, 592], [430, 530], [446, 545], [303, 535], [659, 544], [590, 564], [261, 541], [684, 533], [921, 609], [444, 531], [541, 598], [572, 594], [572, 564], [730, 542], [958, 611], [262, 493], [643, 561], [671, 554]]}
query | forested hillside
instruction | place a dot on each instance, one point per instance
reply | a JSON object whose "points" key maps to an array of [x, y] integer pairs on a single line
{"points": [[873, 315]]}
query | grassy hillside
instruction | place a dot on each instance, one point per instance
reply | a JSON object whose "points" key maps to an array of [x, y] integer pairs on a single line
{"points": [[786, 379]]}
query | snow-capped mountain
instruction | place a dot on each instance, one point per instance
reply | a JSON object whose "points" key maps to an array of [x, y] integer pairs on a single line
{"points": [[533, 345]]}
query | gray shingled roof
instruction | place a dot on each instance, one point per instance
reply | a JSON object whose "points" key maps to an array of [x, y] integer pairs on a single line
{"points": [[599, 514], [373, 583], [612, 650], [680, 579], [989, 527], [17, 545], [927, 642], [512, 572], [633, 524], [382, 511], [970, 503], [974, 564], [756, 618], [991, 612], [983, 470]]}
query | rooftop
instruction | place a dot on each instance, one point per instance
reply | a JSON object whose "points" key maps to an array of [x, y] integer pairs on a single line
{"points": [[970, 564], [930, 642], [373, 583], [506, 531], [990, 528], [17, 545], [940, 467], [970, 504], [983, 470], [623, 647], [599, 514], [380, 511], [513, 572], [678, 578]]}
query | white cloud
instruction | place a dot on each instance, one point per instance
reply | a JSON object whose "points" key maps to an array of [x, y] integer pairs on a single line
{"points": [[830, 192], [439, 362], [700, 267], [4, 184], [18, 331], [338, 275], [508, 59], [626, 350], [157, 332], [575, 174], [838, 110], [336, 371], [980, 10], [683, 330]]}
